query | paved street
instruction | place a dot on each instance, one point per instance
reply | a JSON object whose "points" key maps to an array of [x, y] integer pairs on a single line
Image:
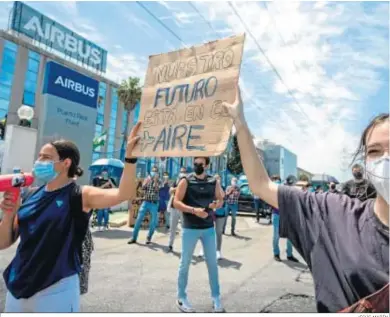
{"points": [[140, 278]]}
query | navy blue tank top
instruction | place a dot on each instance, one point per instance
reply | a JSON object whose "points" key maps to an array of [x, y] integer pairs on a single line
{"points": [[47, 252], [200, 193]]}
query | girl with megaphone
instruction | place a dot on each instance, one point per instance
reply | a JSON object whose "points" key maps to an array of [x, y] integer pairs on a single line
{"points": [[51, 224]]}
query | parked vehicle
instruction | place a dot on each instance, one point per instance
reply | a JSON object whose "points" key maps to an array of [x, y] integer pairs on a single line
{"points": [[246, 203]]}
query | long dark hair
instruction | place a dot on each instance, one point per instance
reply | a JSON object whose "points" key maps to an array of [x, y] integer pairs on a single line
{"points": [[362, 148], [68, 150]]}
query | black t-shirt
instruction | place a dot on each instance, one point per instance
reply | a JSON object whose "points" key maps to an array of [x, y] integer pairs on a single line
{"points": [[100, 181], [362, 190], [343, 242]]}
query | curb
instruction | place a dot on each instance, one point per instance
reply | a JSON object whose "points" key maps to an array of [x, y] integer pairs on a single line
{"points": [[118, 224]]}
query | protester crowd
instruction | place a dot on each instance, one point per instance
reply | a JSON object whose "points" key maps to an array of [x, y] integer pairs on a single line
{"points": [[339, 234]]}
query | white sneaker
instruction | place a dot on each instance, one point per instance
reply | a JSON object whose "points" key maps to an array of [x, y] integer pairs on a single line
{"points": [[217, 306], [185, 306], [201, 253], [99, 229], [219, 255]]}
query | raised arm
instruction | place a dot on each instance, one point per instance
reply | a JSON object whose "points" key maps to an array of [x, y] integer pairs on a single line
{"points": [[259, 182], [98, 198]]}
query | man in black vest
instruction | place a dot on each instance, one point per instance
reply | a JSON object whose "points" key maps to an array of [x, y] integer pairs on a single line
{"points": [[359, 187], [197, 196]]}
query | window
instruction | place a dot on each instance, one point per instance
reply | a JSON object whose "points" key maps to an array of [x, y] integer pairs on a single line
{"points": [[7, 69], [112, 123], [11, 46], [100, 119], [5, 92], [124, 119], [29, 98], [30, 82], [6, 78]]}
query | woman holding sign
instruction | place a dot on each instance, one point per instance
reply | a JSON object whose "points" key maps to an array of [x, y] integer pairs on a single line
{"points": [[344, 241]]}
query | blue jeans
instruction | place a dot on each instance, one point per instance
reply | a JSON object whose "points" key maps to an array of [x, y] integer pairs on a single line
{"points": [[233, 208], [190, 238], [166, 215], [103, 214], [61, 297], [275, 222], [153, 209]]}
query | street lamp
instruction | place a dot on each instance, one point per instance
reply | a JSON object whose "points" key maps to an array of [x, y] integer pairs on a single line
{"points": [[25, 114]]}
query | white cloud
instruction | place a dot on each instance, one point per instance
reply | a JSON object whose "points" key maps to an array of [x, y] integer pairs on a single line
{"points": [[122, 66], [329, 55]]}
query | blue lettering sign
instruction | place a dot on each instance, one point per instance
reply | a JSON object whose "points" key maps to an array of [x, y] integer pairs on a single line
{"points": [[40, 28], [66, 83], [203, 88]]}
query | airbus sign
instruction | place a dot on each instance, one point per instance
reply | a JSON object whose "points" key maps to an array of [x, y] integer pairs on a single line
{"points": [[75, 86], [68, 84], [35, 25]]}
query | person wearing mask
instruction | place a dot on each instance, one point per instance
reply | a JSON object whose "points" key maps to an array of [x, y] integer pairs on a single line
{"points": [[174, 213], [103, 215], [164, 198], [151, 186], [332, 188], [344, 241], [197, 196], [359, 187], [319, 189], [51, 223], [275, 223], [232, 195]]}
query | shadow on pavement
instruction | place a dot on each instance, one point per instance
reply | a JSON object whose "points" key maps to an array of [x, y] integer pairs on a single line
{"points": [[113, 234], [226, 263], [156, 247], [239, 237], [295, 265]]}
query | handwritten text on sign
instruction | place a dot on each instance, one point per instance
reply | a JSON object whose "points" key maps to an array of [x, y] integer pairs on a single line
{"points": [[181, 106]]}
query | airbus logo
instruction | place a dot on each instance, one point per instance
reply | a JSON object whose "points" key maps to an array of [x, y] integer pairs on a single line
{"points": [[75, 86], [64, 40]]}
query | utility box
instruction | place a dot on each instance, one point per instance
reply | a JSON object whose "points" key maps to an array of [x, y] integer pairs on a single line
{"points": [[19, 149]]}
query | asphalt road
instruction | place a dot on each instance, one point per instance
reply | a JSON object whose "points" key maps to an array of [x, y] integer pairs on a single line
{"points": [[140, 278]]}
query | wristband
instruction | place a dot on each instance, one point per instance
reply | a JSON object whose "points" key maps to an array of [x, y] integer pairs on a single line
{"points": [[131, 160]]}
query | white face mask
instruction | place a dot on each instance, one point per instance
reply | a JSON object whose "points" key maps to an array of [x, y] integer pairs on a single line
{"points": [[378, 174]]}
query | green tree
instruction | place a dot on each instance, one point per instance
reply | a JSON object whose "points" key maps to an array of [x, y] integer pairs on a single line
{"points": [[303, 178], [129, 93], [234, 158]]}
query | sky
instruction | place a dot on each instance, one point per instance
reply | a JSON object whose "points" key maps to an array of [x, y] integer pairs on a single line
{"points": [[313, 73]]}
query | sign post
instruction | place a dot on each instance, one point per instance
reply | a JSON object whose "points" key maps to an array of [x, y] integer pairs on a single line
{"points": [[181, 106]]}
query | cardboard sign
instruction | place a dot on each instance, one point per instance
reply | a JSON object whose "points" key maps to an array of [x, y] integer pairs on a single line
{"points": [[181, 106]]}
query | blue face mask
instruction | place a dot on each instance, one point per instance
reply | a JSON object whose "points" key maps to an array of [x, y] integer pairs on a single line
{"points": [[152, 174], [45, 171]]}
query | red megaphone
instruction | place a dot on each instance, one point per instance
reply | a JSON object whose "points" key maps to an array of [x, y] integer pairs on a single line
{"points": [[13, 182]]}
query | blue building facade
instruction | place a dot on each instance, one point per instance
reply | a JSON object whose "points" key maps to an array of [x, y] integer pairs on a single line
{"points": [[280, 161]]}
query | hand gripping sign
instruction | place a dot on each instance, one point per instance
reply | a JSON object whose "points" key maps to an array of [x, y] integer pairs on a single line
{"points": [[181, 105]]}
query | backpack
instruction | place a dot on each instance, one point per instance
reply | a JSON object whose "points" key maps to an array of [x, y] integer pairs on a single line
{"points": [[80, 218], [374, 303]]}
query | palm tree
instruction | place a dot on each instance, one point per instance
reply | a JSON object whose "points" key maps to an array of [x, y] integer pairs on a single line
{"points": [[129, 93]]}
